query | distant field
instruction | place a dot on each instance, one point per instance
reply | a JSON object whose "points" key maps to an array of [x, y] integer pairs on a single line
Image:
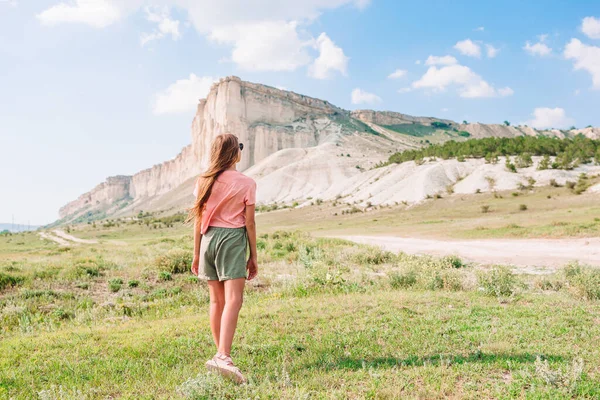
{"points": [[550, 213], [326, 319]]}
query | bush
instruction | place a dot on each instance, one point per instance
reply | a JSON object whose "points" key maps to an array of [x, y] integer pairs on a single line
{"points": [[485, 209], [522, 207], [583, 281], [429, 273], [403, 280], [373, 256], [553, 183], [164, 276], [7, 280], [510, 166], [114, 285], [498, 281], [570, 184], [133, 283], [175, 261]]}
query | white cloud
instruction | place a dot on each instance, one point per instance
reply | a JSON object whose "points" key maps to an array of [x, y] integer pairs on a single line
{"points": [[468, 48], [444, 110], [183, 95], [590, 26], [166, 25], [418, 62], [265, 46], [399, 73], [96, 13], [404, 90], [585, 57], [443, 60], [577, 92], [470, 85], [263, 34], [331, 58], [505, 91], [538, 49], [544, 118], [491, 51], [359, 96], [479, 29]]}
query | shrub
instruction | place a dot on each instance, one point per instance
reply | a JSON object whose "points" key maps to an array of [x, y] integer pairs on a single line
{"points": [[583, 281], [133, 283], [553, 183], [175, 261], [570, 184], [429, 273], [164, 276], [7, 280], [373, 256], [549, 283], [522, 207], [485, 209], [498, 281], [114, 285], [510, 166], [403, 280], [567, 377]]}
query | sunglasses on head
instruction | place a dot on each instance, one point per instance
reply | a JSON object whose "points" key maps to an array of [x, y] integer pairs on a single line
{"points": [[241, 146]]}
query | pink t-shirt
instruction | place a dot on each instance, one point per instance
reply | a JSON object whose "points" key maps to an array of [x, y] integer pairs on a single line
{"points": [[226, 206]]}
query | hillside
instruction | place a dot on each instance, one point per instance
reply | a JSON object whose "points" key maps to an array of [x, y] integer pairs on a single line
{"points": [[300, 148]]}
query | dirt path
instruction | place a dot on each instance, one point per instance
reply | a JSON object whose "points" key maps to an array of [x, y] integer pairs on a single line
{"points": [[64, 235], [59, 241], [64, 239], [530, 255]]}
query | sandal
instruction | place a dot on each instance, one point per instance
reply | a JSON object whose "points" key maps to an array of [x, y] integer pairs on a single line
{"points": [[224, 365]]}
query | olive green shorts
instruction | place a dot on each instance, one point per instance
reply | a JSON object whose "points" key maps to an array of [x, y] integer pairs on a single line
{"points": [[223, 254]]}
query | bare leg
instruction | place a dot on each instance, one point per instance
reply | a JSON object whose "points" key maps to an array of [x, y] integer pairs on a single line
{"points": [[217, 302], [234, 292]]}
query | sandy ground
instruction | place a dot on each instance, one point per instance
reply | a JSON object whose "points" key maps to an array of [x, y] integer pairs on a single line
{"points": [[529, 255], [64, 239], [49, 236], [64, 235]]}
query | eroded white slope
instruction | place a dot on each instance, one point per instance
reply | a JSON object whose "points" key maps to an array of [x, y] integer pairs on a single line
{"points": [[321, 173]]}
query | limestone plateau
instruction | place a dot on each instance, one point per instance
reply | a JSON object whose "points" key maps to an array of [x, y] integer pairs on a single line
{"points": [[299, 147]]}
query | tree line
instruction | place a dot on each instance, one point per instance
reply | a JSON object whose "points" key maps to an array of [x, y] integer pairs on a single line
{"points": [[568, 153]]}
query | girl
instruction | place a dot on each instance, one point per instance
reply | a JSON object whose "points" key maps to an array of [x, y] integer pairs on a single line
{"points": [[224, 226]]}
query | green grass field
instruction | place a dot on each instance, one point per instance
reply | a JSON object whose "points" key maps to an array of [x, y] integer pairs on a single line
{"points": [[551, 213], [326, 319]]}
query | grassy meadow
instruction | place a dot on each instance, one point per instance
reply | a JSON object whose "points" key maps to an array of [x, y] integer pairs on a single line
{"points": [[549, 212], [326, 318]]}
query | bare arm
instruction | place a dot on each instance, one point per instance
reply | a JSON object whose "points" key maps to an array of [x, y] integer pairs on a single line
{"points": [[251, 230], [197, 241]]}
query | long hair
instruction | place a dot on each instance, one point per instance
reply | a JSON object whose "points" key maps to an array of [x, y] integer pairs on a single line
{"points": [[223, 155]]}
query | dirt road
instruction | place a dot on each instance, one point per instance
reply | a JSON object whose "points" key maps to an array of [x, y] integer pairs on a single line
{"points": [[64, 235], [64, 239], [531, 255]]}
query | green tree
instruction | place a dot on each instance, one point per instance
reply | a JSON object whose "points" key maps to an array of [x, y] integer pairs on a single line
{"points": [[544, 163], [524, 160], [507, 123]]}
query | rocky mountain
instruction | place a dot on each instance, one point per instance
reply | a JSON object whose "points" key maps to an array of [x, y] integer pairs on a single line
{"points": [[297, 147]]}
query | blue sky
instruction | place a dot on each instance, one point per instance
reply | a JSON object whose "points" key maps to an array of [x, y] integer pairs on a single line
{"points": [[94, 88]]}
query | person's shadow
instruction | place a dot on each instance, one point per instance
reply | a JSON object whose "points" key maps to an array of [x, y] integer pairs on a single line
{"points": [[439, 359]]}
